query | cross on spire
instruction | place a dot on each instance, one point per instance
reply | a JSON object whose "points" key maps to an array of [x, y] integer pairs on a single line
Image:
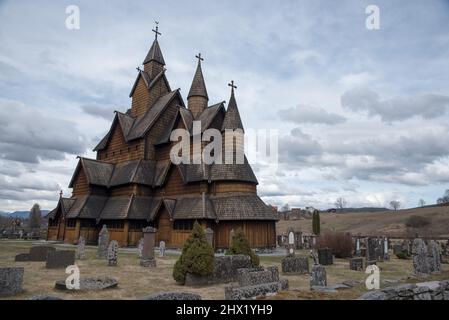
{"points": [[138, 69], [198, 56], [156, 32], [232, 85]]}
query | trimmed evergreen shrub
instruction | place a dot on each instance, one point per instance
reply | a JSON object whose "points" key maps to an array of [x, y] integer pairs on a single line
{"points": [[197, 256], [402, 255], [240, 245], [316, 224]]}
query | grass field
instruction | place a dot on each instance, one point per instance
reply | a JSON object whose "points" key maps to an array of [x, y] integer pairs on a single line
{"points": [[136, 282], [389, 223]]}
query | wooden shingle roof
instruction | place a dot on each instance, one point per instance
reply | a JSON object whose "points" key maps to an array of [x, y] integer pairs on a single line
{"points": [[198, 87], [232, 118], [154, 54], [242, 207]]}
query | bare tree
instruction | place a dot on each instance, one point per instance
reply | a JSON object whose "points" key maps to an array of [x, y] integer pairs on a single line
{"points": [[35, 217], [421, 203], [445, 198], [285, 208], [395, 205], [340, 203]]}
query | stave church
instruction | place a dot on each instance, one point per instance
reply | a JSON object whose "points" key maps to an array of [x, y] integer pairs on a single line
{"points": [[133, 183]]}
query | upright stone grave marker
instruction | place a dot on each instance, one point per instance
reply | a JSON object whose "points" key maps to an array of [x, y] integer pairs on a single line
{"points": [[140, 248], [11, 280], [162, 249], [291, 243], [357, 252], [370, 251], [386, 255], [112, 253], [60, 259], [420, 262], [81, 249], [433, 257], [103, 241], [325, 257], [149, 238], [231, 236], [318, 276]]}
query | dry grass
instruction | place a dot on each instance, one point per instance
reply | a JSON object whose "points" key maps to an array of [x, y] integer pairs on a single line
{"points": [[389, 223], [136, 282]]}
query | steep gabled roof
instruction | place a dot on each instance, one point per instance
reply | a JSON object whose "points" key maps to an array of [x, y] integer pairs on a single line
{"points": [[146, 121], [149, 82], [198, 87], [64, 204], [134, 128], [232, 118], [97, 172], [208, 115], [155, 54]]}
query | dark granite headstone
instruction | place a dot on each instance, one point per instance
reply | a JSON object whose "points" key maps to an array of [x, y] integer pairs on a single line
{"points": [[39, 253], [325, 257], [295, 264], [356, 264], [60, 259]]}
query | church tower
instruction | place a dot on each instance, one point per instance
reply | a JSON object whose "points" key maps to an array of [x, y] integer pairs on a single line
{"points": [[154, 61], [197, 98]]}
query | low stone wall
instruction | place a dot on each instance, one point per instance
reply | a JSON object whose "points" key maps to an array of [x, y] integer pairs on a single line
{"points": [[173, 296], [432, 290], [248, 292], [225, 270]]}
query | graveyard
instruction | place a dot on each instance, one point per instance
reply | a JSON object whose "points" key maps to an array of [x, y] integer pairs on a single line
{"points": [[137, 282]]}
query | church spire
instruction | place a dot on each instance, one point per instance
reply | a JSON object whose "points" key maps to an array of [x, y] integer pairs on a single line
{"points": [[232, 118], [197, 97], [154, 59]]}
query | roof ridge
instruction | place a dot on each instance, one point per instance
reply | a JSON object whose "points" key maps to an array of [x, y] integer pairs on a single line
{"points": [[135, 170]]}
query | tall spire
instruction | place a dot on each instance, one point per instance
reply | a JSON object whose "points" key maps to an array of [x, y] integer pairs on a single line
{"points": [[155, 53], [198, 87], [232, 118], [197, 97]]}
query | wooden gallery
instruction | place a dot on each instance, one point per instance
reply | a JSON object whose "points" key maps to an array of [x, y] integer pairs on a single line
{"points": [[132, 183]]}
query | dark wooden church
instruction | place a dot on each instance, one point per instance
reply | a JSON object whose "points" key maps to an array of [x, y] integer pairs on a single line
{"points": [[132, 183]]}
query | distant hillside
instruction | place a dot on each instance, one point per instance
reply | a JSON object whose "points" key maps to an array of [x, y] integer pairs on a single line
{"points": [[363, 209], [21, 214], [389, 223]]}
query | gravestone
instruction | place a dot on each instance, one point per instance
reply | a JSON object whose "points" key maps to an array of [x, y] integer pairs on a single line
{"points": [[162, 249], [357, 247], [291, 243], [298, 242], [318, 276], [433, 257], [149, 238], [386, 256], [60, 259], [103, 242], [371, 245], [325, 257], [419, 256], [295, 264], [11, 280], [210, 236], [39, 253], [112, 253], [140, 248], [356, 264], [81, 249]]}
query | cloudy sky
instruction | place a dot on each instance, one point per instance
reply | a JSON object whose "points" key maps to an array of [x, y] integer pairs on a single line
{"points": [[361, 114]]}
